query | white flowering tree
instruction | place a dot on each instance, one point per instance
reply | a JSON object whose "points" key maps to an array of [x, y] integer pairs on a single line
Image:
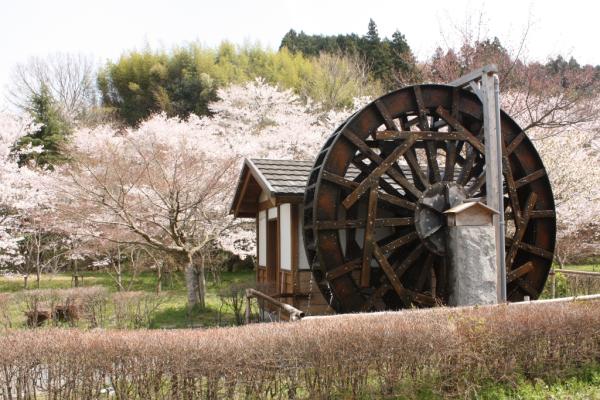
{"points": [[167, 185], [23, 191]]}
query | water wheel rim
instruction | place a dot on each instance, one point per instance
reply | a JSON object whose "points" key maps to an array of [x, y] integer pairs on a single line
{"points": [[383, 127]]}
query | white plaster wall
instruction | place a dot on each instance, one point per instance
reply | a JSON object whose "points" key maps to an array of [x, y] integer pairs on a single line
{"points": [[285, 236], [262, 238], [272, 213], [302, 259]]}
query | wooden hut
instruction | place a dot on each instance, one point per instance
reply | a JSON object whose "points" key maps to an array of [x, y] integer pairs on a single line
{"points": [[271, 192]]}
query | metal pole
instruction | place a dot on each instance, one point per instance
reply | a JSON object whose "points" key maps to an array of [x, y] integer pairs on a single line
{"points": [[493, 171], [501, 223], [488, 91]]}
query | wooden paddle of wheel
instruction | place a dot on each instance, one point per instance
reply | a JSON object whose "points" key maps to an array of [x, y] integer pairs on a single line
{"points": [[373, 222]]}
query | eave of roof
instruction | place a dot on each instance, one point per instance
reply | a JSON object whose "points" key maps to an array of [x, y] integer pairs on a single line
{"points": [[250, 167]]}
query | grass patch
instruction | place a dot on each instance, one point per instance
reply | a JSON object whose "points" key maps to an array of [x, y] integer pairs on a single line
{"points": [[582, 385], [583, 267], [174, 313]]}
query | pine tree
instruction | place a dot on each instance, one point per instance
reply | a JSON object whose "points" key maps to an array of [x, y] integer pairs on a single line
{"points": [[52, 134]]}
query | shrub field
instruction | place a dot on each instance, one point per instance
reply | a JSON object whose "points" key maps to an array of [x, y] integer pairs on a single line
{"points": [[414, 354]]}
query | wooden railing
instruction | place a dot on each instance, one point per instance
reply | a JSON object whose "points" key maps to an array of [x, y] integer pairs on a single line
{"points": [[292, 312]]}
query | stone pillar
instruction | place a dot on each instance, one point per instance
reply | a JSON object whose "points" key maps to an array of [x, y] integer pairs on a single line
{"points": [[471, 249]]}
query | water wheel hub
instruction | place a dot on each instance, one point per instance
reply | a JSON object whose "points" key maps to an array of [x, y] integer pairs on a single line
{"points": [[429, 213]]}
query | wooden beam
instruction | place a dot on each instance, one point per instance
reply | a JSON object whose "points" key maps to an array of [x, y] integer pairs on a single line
{"points": [[515, 143], [295, 247], [344, 269], [520, 229], [405, 264], [360, 223], [241, 196], [348, 184], [542, 214], [265, 205], [530, 178], [401, 241], [373, 178], [369, 239], [469, 137], [419, 135], [394, 173], [519, 272], [391, 275]]}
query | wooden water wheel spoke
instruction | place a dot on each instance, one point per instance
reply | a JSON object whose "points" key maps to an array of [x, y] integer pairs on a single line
{"points": [[542, 214], [419, 135], [369, 238], [367, 170], [406, 263], [387, 119], [530, 178], [510, 185], [465, 172], [479, 182], [391, 275], [450, 160], [538, 251], [425, 270], [473, 141], [351, 185], [430, 147], [519, 272], [515, 143], [360, 223], [394, 173], [373, 178], [411, 159], [520, 229], [344, 269], [401, 241], [433, 167], [379, 189]]}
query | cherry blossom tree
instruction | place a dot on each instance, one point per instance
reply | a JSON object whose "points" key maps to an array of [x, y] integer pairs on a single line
{"points": [[23, 189], [168, 184], [153, 187]]}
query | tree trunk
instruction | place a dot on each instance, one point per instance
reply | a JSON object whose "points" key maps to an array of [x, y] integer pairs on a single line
{"points": [[159, 277], [191, 282], [38, 260], [201, 283], [118, 270], [25, 278]]}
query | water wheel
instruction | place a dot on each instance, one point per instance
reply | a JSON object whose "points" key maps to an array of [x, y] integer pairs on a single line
{"points": [[373, 223]]}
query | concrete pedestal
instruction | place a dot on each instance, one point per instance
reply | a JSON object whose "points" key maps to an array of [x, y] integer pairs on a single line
{"points": [[472, 269]]}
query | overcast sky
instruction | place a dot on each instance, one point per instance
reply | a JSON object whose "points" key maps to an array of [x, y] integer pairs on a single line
{"points": [[106, 28]]}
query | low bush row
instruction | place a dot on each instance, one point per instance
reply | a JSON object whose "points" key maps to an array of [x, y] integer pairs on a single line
{"points": [[448, 352], [90, 307]]}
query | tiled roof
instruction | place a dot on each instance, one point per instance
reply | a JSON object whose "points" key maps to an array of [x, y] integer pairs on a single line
{"points": [[287, 177]]}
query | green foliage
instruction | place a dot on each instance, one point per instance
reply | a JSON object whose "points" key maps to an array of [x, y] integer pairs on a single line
{"points": [[561, 286], [584, 384], [185, 80], [52, 134], [390, 61], [145, 82], [336, 80]]}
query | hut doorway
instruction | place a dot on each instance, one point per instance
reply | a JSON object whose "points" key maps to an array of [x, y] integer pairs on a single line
{"points": [[272, 250]]}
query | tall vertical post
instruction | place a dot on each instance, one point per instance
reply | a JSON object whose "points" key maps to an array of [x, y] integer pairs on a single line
{"points": [[490, 96]]}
